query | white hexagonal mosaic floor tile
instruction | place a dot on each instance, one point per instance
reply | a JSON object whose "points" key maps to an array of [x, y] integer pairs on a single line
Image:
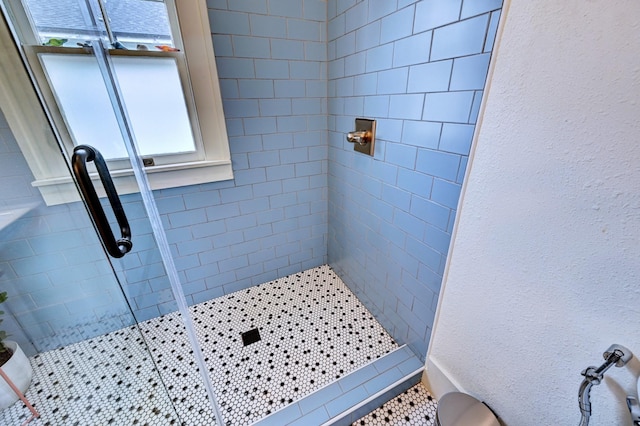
{"points": [[312, 331]]}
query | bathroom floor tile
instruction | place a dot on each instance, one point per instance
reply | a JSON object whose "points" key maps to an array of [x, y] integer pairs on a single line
{"points": [[312, 330], [415, 406]]}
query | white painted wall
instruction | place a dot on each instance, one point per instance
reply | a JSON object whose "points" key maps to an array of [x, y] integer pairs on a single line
{"points": [[544, 271]]}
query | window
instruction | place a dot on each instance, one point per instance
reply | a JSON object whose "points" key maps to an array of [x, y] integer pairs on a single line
{"points": [[163, 59]]}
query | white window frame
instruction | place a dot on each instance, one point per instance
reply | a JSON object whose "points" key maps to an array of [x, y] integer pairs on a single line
{"points": [[30, 124]]}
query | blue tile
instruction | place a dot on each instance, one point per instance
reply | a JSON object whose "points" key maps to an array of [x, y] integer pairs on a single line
{"points": [[412, 50], [17, 249], [346, 45], [396, 197], [336, 27], [280, 172], [238, 193], [277, 141], [308, 168], [459, 39], [229, 88], [316, 89], [224, 22], [336, 68], [256, 88], [424, 134], [308, 106], [448, 106], [347, 400], [241, 108], [315, 10], [427, 256], [436, 13], [235, 68], [429, 211], [380, 8], [317, 399], [222, 45], [58, 242], [438, 164], [356, 17], [259, 126], [268, 26], [305, 70], [415, 182], [408, 107], [445, 193], [437, 238], [291, 124], [392, 81], [267, 68], [491, 32], [251, 47], [355, 64], [315, 51], [316, 417], [472, 8], [187, 218], [475, 107], [470, 72], [275, 107], [397, 25], [380, 58], [287, 49], [430, 77], [354, 106], [292, 156], [392, 359], [194, 246], [289, 8], [456, 138], [377, 106], [368, 36], [253, 6], [304, 30], [35, 265], [247, 177], [289, 88], [401, 155], [202, 272]]}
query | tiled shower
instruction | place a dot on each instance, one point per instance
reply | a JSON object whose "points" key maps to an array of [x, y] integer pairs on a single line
{"points": [[294, 75]]}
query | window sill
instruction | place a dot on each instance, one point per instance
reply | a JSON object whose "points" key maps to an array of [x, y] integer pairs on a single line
{"points": [[63, 190]]}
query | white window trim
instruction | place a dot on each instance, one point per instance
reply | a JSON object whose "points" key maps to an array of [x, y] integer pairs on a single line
{"points": [[31, 127]]}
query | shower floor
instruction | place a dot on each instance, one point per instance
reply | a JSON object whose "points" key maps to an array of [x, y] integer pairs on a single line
{"points": [[312, 331]]}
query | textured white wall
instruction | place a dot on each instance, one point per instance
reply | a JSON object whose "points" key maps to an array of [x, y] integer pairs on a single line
{"points": [[544, 271]]}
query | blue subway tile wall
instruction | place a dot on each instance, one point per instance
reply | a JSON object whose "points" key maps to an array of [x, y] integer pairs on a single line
{"points": [[270, 221], [293, 74], [419, 69]]}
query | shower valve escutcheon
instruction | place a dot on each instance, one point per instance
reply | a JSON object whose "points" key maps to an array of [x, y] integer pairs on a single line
{"points": [[363, 138]]}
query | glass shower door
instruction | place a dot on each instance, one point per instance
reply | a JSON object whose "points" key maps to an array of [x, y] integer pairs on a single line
{"points": [[98, 328]]}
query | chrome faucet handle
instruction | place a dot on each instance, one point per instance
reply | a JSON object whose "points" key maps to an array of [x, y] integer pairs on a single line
{"points": [[623, 354], [361, 137], [634, 409]]}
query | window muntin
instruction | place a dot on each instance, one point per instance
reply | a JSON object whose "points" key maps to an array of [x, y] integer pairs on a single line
{"points": [[212, 160]]}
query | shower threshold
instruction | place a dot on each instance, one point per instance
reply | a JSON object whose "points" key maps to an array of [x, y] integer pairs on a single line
{"points": [[312, 331]]}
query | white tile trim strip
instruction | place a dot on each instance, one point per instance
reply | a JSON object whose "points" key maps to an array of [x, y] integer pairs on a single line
{"points": [[361, 386], [374, 396]]}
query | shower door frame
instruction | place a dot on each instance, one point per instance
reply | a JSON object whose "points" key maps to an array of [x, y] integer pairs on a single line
{"points": [[29, 87]]}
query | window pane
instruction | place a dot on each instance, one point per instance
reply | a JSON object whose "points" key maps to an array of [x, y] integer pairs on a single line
{"points": [[132, 22], [155, 103], [152, 95]]}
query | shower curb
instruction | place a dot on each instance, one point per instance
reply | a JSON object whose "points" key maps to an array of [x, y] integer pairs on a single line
{"points": [[354, 395]]}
